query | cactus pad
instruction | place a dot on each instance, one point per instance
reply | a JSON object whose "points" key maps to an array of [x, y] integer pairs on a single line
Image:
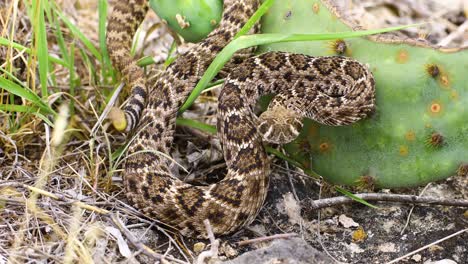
{"points": [[420, 130]]}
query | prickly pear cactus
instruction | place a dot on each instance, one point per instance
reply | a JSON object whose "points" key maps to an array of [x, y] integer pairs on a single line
{"points": [[420, 130]]}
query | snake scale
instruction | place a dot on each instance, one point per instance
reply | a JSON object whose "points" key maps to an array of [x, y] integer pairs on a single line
{"points": [[330, 90]]}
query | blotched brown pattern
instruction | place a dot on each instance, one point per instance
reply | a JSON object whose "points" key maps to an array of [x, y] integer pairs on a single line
{"points": [[330, 90]]}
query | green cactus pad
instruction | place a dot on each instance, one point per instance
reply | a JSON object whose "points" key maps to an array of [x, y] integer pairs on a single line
{"points": [[420, 130], [192, 19]]}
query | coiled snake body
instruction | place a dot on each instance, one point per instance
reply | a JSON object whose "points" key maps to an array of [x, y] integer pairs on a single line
{"points": [[330, 90]]}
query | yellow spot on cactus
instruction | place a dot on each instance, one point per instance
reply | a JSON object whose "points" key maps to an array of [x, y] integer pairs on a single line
{"points": [[404, 150], [428, 125], [402, 56], [324, 147], [316, 8], [454, 95], [435, 108], [444, 81], [359, 235], [437, 72], [410, 135], [312, 131]]}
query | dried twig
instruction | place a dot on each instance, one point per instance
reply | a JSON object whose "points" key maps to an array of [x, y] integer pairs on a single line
{"points": [[213, 252], [108, 109], [139, 245], [458, 33], [319, 235], [384, 197], [266, 238], [412, 208]]}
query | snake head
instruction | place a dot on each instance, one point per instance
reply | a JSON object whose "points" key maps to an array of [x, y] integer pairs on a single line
{"points": [[279, 125]]}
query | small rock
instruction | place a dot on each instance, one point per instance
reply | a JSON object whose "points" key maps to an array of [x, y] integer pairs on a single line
{"points": [[283, 251], [388, 248], [228, 250], [416, 257], [354, 248], [347, 222], [292, 208], [199, 247], [435, 248], [388, 226]]}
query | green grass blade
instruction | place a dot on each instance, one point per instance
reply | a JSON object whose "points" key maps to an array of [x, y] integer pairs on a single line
{"points": [[25, 93], [77, 33], [170, 58], [145, 61], [282, 156], [255, 18], [90, 66], [40, 36], [19, 47], [72, 79], [354, 197], [59, 36], [26, 109], [197, 125], [107, 70]]}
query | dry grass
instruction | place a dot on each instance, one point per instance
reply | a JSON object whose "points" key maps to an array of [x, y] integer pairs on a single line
{"points": [[60, 198]]}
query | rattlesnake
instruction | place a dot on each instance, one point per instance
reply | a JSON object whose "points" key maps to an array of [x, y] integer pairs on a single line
{"points": [[330, 90]]}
